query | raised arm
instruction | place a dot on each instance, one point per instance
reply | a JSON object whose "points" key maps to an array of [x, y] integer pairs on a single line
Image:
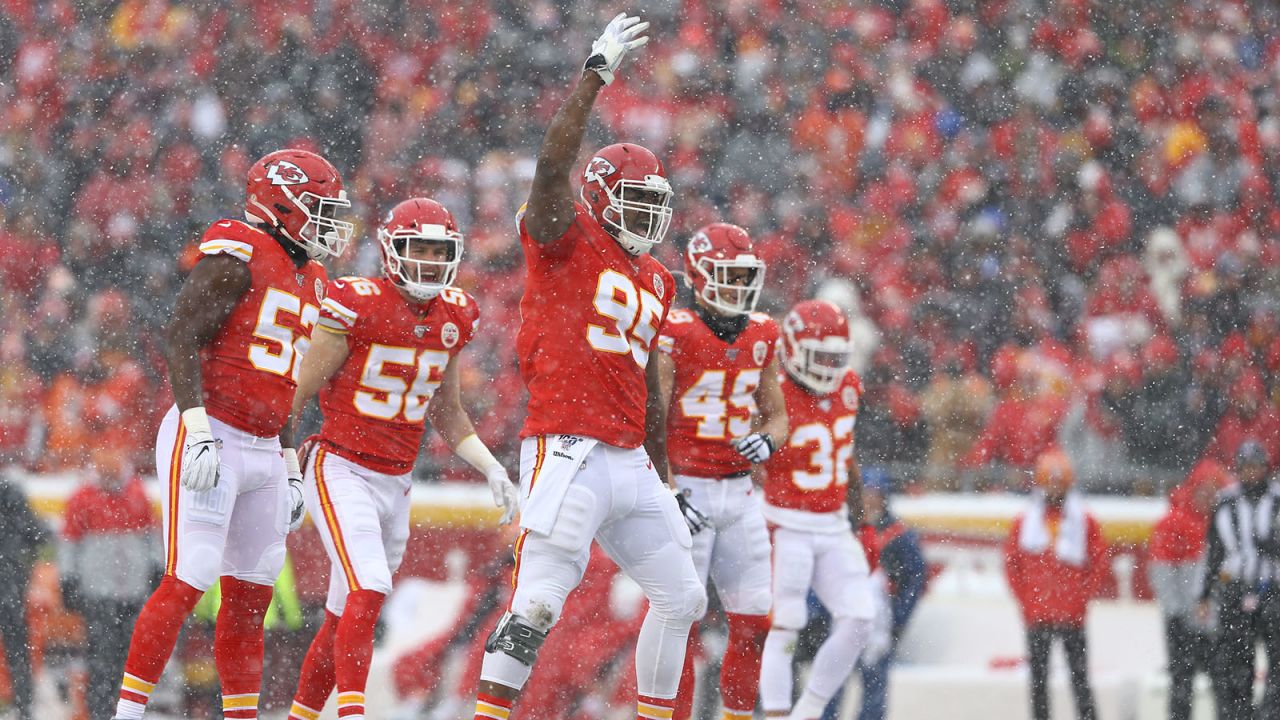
{"points": [[550, 208]]}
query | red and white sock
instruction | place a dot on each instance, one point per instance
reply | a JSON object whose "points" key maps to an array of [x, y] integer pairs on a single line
{"points": [[353, 648], [653, 708], [154, 635], [740, 671], [317, 678], [237, 645], [490, 707]]}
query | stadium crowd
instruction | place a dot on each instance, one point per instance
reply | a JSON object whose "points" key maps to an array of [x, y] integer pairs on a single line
{"points": [[1053, 223]]}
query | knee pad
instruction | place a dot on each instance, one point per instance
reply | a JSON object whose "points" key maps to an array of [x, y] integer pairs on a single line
{"points": [[516, 638], [790, 613], [688, 603]]}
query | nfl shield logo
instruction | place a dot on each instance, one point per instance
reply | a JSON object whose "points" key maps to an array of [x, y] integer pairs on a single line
{"points": [[298, 277], [731, 354], [419, 331]]}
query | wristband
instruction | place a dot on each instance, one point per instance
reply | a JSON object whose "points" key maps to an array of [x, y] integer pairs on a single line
{"points": [[291, 467], [473, 450], [196, 420]]}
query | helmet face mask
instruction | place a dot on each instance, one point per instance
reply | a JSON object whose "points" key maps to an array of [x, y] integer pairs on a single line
{"points": [[324, 235], [815, 347], [819, 365], [721, 287], [421, 248], [638, 213]]}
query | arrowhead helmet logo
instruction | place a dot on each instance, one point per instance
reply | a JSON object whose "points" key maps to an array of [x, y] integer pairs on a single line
{"points": [[598, 169], [759, 351], [699, 244], [659, 287], [319, 290], [283, 172]]}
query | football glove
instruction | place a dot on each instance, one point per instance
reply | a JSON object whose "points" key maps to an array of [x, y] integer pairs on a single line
{"points": [[297, 507], [756, 447], [504, 492], [623, 34], [200, 452], [692, 515]]}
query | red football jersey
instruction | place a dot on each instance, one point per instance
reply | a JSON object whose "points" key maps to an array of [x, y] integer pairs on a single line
{"points": [[251, 367], [590, 315], [811, 472], [713, 400], [375, 406]]}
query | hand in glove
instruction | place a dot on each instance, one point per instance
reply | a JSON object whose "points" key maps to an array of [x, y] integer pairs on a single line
{"points": [[297, 507], [756, 447], [692, 515], [504, 492], [620, 36], [199, 453]]}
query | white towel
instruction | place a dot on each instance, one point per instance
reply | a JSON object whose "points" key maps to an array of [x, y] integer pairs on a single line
{"points": [[1071, 546], [557, 458]]}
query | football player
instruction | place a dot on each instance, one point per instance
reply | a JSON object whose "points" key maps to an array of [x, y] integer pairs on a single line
{"points": [[385, 361], [593, 303], [232, 484], [813, 498], [725, 412]]}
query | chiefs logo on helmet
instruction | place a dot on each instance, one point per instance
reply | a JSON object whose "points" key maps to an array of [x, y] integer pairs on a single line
{"points": [[283, 172], [598, 169], [700, 243]]}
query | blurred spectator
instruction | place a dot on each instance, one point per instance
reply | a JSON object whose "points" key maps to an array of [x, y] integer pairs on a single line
{"points": [[110, 559], [1249, 415], [956, 405], [900, 578], [22, 534], [1176, 572], [1158, 420], [1024, 173], [1055, 561], [1092, 431], [1239, 558], [1025, 421]]}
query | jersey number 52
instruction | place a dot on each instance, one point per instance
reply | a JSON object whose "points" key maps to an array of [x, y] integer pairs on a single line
{"points": [[635, 312]]}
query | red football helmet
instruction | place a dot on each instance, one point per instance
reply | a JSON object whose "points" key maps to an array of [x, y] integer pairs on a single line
{"points": [[626, 190], [420, 220], [714, 252], [298, 194], [815, 345]]}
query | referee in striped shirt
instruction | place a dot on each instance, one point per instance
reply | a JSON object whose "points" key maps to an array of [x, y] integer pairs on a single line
{"points": [[1242, 567]]}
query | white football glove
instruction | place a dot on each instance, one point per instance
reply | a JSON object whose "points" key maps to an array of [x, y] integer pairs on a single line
{"points": [[620, 36], [504, 492], [200, 452], [756, 447], [293, 470]]}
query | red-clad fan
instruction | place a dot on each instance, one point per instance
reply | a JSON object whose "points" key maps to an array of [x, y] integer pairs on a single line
{"points": [[384, 360], [813, 498], [232, 484], [593, 303], [719, 382]]}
